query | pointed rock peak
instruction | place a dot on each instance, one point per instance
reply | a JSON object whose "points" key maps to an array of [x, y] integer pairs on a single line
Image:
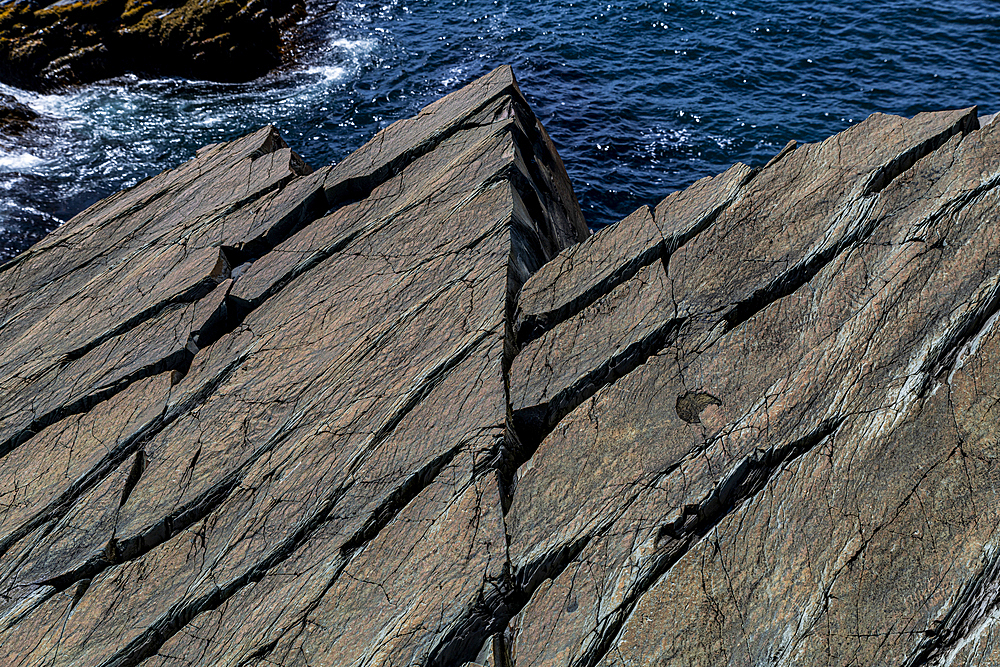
{"points": [[487, 87], [270, 141], [789, 147], [914, 139], [683, 214], [398, 145], [583, 273]]}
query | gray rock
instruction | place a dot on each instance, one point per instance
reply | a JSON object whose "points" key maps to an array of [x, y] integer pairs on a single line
{"points": [[407, 410]]}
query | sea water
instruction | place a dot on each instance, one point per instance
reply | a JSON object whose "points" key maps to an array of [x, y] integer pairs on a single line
{"points": [[641, 98]]}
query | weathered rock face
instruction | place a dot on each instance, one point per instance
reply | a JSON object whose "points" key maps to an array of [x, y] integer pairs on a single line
{"points": [[15, 117], [282, 392], [405, 410], [797, 462], [45, 45]]}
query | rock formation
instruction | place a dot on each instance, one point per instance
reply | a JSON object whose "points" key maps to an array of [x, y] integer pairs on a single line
{"points": [[406, 410], [15, 117], [46, 45]]}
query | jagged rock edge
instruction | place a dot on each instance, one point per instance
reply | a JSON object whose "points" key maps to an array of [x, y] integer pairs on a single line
{"points": [[126, 447], [360, 187], [938, 362], [272, 144], [136, 546], [799, 275], [238, 309], [534, 327], [535, 423], [225, 319], [180, 614]]}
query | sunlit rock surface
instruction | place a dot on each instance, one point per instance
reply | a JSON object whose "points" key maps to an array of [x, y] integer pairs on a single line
{"points": [[406, 410]]}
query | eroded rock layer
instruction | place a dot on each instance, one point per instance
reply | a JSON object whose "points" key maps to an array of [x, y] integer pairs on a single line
{"points": [[405, 410]]}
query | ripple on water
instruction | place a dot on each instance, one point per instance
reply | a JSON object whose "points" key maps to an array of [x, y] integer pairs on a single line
{"points": [[641, 98]]}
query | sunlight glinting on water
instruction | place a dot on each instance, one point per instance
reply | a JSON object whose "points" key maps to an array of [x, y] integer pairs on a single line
{"points": [[640, 98]]}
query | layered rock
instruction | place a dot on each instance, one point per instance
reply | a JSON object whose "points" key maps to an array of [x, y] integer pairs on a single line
{"points": [[263, 384], [795, 464], [46, 45], [406, 410]]}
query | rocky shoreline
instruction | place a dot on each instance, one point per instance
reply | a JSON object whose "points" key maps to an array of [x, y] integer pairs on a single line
{"points": [[406, 409], [50, 45]]}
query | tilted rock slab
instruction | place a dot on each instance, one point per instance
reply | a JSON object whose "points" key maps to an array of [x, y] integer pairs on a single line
{"points": [[406, 410]]}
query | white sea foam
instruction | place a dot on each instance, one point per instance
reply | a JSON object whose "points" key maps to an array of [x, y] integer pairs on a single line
{"points": [[354, 53], [8, 205], [361, 46], [329, 73], [19, 161]]}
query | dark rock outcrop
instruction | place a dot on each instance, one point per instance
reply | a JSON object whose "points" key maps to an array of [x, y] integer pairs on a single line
{"points": [[15, 117], [405, 410], [45, 45]]}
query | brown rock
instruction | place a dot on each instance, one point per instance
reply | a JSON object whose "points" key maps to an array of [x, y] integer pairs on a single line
{"points": [[15, 117], [605, 341], [584, 273], [704, 541], [330, 435], [385, 413]]}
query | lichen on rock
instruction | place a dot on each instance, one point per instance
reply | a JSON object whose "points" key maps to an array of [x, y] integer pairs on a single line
{"points": [[50, 45]]}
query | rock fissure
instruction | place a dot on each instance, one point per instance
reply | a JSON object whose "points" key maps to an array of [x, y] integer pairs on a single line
{"points": [[886, 174], [972, 606], [744, 482], [167, 626], [862, 226], [59, 506], [177, 361], [534, 423]]}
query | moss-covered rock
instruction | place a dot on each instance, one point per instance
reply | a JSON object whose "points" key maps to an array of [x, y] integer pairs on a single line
{"points": [[51, 45]]}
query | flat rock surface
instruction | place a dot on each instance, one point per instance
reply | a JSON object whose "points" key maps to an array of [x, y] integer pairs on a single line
{"points": [[406, 410]]}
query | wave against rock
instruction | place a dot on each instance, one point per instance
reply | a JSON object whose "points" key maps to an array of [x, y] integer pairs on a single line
{"points": [[406, 410]]}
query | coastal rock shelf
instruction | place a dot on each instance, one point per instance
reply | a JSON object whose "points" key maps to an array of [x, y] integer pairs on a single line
{"points": [[407, 410], [48, 45]]}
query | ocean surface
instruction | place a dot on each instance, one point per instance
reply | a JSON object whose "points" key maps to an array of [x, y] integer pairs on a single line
{"points": [[641, 98]]}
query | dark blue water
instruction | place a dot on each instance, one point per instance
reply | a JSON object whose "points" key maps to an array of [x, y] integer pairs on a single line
{"points": [[641, 98]]}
